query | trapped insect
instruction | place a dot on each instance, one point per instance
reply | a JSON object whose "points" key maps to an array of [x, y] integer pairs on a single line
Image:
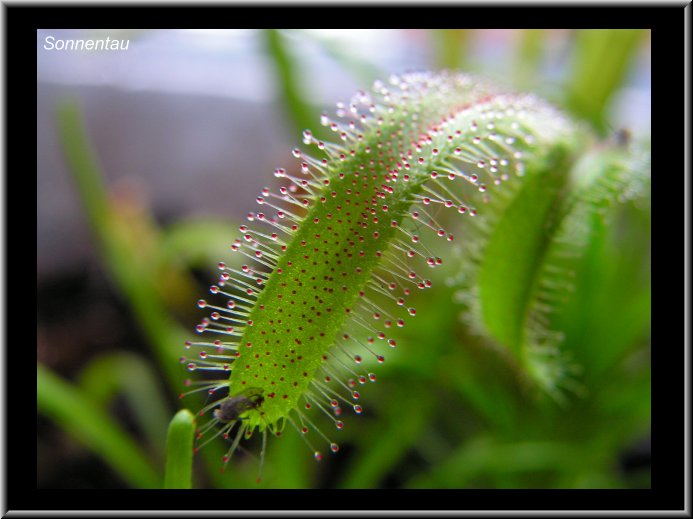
{"points": [[233, 407]]}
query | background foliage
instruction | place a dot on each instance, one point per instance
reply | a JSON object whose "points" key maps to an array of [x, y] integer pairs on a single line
{"points": [[447, 411]]}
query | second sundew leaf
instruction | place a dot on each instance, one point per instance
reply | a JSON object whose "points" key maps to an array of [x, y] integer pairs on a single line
{"points": [[344, 244], [524, 270], [514, 253], [609, 174]]}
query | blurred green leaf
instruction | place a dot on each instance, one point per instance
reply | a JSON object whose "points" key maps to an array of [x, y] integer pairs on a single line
{"points": [[390, 438], [601, 59], [451, 47], [486, 387], [179, 450], [289, 461], [199, 243], [485, 459], [83, 420], [131, 375], [528, 54]]}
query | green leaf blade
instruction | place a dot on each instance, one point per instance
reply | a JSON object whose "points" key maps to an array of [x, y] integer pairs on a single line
{"points": [[93, 428], [179, 451]]}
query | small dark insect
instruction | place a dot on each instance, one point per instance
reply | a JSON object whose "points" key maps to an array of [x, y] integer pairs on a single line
{"points": [[234, 406], [623, 137]]}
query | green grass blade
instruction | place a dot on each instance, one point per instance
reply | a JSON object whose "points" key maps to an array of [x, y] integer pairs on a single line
{"points": [[117, 248], [361, 69], [93, 428], [179, 452], [83, 165], [300, 113]]}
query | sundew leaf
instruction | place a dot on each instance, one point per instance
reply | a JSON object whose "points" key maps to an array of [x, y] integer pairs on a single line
{"points": [[584, 268], [524, 249], [512, 257], [333, 257]]}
